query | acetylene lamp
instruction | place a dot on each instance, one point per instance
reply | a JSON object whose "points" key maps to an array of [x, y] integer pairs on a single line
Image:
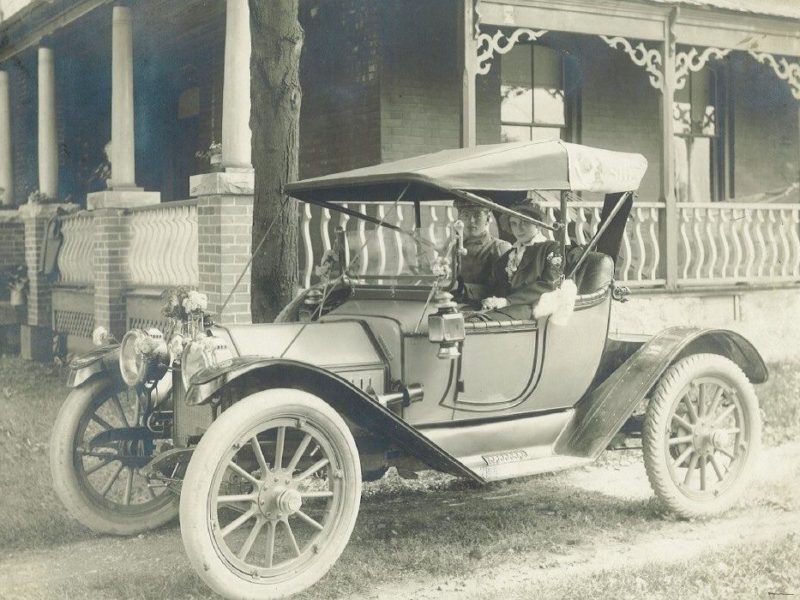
{"points": [[446, 326], [143, 356]]}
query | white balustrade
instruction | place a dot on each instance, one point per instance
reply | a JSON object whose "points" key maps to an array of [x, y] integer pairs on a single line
{"points": [[75, 259], [638, 265], [730, 242], [163, 245], [639, 261]]}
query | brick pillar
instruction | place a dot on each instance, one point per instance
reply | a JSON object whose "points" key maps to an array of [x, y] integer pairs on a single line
{"points": [[110, 255], [224, 226], [37, 335]]}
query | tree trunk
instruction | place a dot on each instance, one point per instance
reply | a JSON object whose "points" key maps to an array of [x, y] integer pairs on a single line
{"points": [[277, 40]]}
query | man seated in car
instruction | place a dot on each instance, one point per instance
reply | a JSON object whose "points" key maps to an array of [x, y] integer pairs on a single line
{"points": [[529, 269], [483, 250]]}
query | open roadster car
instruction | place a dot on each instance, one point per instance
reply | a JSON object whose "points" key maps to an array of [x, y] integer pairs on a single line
{"points": [[261, 435]]}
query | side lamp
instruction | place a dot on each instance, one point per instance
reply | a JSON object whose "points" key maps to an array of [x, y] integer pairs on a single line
{"points": [[446, 327]]}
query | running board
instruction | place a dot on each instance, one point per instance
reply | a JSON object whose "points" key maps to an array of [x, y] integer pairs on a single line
{"points": [[509, 447]]}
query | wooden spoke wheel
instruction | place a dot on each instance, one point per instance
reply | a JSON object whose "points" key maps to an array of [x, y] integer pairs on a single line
{"points": [[271, 495], [701, 436], [98, 448]]}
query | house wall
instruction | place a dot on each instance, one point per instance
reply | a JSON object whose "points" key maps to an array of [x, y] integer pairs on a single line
{"points": [[766, 141], [768, 318], [22, 93], [620, 109], [421, 78], [12, 242], [340, 110]]}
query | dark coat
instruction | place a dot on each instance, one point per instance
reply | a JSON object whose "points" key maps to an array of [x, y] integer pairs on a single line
{"points": [[535, 275], [482, 254], [477, 264]]}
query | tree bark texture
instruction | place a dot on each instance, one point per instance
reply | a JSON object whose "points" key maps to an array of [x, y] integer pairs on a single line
{"points": [[277, 40]]}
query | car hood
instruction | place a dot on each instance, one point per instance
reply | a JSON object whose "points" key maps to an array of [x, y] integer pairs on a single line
{"points": [[336, 345]]}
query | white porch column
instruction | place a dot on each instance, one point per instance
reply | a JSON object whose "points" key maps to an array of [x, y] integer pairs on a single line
{"points": [[48, 132], [122, 192], [6, 167], [123, 164], [236, 87]]}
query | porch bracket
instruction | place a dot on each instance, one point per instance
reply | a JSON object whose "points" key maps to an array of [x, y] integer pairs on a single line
{"points": [[642, 56], [785, 70], [499, 43], [694, 61]]}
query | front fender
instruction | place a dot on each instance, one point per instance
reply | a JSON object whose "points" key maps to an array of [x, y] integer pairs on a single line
{"points": [[602, 411], [247, 374], [99, 360]]}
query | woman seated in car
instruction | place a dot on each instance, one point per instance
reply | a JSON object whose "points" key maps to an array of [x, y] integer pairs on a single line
{"points": [[529, 269]]}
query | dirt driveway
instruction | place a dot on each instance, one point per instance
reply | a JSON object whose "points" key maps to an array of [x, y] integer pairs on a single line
{"points": [[600, 518]]}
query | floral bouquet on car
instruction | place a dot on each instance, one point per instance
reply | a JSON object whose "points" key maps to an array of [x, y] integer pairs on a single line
{"points": [[186, 308]]}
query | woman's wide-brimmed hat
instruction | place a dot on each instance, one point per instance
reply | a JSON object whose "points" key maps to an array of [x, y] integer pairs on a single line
{"points": [[531, 208]]}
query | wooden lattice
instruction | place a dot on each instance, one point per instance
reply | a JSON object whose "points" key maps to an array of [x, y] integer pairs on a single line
{"points": [[74, 322]]}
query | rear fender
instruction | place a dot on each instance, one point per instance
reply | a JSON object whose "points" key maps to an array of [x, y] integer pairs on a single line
{"points": [[602, 411], [246, 375], [99, 360]]}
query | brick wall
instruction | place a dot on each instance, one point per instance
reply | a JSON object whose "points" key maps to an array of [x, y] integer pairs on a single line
{"points": [[12, 243], [421, 78], [39, 293], [111, 239], [22, 92], [620, 109], [224, 231], [766, 143], [340, 110]]}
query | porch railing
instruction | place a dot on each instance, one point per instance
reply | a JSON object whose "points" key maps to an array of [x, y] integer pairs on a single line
{"points": [[729, 243], [318, 230], [639, 264], [75, 259], [163, 245]]}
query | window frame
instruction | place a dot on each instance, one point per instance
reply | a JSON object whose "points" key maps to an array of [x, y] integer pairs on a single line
{"points": [[569, 130], [722, 139]]}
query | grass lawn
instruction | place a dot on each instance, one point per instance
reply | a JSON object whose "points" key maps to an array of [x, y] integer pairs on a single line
{"points": [[442, 527]]}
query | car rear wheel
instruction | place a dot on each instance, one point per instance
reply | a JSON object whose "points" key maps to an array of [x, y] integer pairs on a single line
{"points": [[271, 495], [98, 448], [702, 434]]}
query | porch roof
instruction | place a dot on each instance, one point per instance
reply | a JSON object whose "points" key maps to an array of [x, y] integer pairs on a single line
{"points": [[773, 8]]}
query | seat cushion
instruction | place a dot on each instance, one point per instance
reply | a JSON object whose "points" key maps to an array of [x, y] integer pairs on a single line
{"points": [[596, 272]]}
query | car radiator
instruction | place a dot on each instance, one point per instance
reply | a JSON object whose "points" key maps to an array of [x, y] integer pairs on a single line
{"points": [[189, 422]]}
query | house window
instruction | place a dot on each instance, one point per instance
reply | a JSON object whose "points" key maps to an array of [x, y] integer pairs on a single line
{"points": [[533, 104], [699, 144]]}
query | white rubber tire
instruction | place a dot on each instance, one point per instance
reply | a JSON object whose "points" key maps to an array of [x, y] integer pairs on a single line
{"points": [[84, 506], [667, 394], [255, 413]]}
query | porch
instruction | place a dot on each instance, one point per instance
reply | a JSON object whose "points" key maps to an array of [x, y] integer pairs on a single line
{"points": [[709, 96]]}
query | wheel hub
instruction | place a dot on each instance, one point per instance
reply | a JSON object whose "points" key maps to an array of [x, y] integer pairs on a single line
{"points": [[277, 497], [703, 438]]}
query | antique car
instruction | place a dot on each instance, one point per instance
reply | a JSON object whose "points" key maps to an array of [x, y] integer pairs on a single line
{"points": [[260, 436]]}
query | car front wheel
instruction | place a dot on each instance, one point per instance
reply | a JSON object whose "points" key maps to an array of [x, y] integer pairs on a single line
{"points": [[271, 495], [98, 449], [701, 435]]}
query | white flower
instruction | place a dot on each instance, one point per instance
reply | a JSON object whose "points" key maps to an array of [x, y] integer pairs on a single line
{"points": [[195, 302], [441, 267], [99, 336]]}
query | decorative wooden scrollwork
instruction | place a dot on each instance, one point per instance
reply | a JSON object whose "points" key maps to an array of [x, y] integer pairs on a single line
{"points": [[500, 43], [642, 56], [694, 61], [785, 70]]}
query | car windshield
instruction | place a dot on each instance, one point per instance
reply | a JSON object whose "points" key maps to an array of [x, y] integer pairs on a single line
{"points": [[409, 252]]}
